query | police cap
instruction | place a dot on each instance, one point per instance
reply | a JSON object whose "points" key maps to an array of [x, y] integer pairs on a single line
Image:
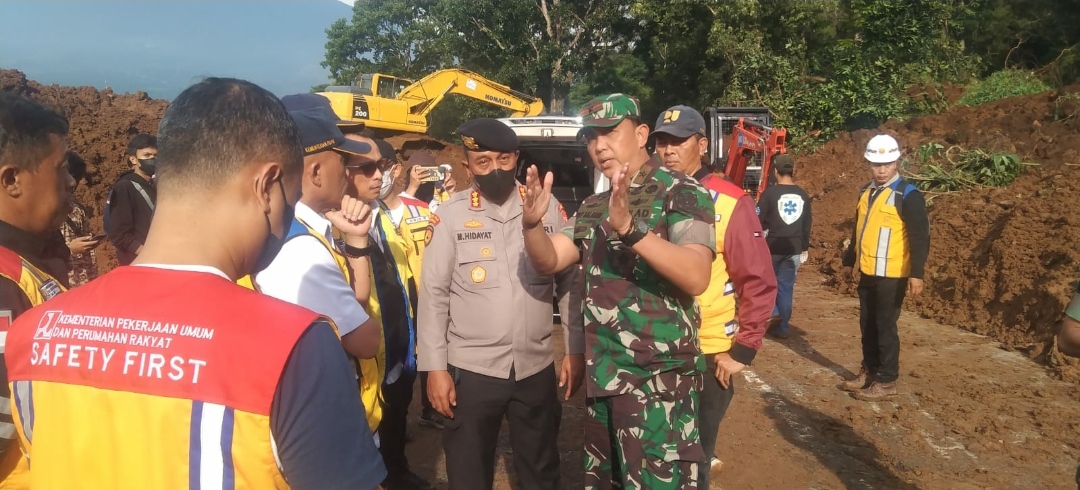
{"points": [[487, 134]]}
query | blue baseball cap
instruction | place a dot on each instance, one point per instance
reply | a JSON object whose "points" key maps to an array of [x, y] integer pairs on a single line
{"points": [[319, 106], [318, 134], [680, 121]]}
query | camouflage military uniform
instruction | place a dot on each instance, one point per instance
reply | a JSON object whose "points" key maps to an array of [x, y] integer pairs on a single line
{"points": [[643, 362], [82, 268]]}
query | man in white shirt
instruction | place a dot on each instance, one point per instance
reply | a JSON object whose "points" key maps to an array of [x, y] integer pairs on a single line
{"points": [[309, 270]]}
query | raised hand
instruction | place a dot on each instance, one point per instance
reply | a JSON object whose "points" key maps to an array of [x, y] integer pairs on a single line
{"points": [[353, 219], [537, 197], [618, 203]]}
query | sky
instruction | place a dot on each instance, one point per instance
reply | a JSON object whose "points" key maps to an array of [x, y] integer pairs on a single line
{"points": [[161, 47]]}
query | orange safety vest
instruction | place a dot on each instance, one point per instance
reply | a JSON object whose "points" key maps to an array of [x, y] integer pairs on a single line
{"points": [[151, 378], [39, 287], [718, 323]]}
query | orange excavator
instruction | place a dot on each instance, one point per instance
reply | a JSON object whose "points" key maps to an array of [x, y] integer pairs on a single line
{"points": [[752, 144]]}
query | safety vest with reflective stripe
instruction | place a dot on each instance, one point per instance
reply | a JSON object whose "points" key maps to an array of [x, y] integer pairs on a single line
{"points": [[412, 230], [38, 287], [880, 233], [152, 378], [718, 323], [370, 371]]}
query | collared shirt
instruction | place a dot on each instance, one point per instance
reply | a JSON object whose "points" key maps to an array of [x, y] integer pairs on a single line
{"points": [[638, 325], [483, 308], [305, 273]]}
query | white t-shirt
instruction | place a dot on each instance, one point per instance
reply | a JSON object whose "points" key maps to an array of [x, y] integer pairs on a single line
{"points": [[304, 273]]}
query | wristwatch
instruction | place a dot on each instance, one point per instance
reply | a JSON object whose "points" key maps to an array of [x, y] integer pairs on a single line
{"points": [[636, 233]]}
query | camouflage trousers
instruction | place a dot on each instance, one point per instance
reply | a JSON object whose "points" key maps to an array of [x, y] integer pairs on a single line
{"points": [[647, 438]]}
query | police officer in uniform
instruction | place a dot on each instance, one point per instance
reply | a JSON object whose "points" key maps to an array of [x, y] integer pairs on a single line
{"points": [[484, 323]]}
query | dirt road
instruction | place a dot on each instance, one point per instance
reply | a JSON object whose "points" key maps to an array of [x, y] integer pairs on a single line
{"points": [[970, 415]]}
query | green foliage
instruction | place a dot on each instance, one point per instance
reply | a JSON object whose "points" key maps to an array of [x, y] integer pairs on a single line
{"points": [[959, 169], [821, 66], [1002, 84]]}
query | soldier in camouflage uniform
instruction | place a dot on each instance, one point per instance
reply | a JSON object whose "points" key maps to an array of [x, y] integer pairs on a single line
{"points": [[82, 265], [646, 247]]}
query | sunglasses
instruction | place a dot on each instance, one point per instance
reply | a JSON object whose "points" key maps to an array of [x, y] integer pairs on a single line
{"points": [[367, 169]]}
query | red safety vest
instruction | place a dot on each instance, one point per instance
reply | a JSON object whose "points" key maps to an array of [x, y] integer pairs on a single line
{"points": [[151, 378]]}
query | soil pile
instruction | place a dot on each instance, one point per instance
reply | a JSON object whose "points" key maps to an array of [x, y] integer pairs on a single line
{"points": [[1003, 261], [101, 124]]}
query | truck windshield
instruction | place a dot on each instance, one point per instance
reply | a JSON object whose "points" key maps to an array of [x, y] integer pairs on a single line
{"points": [[570, 164]]}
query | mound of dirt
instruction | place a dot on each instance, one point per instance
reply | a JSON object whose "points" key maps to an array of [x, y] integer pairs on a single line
{"points": [[101, 123], [1003, 261]]}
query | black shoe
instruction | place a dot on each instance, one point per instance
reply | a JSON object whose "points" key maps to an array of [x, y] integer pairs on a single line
{"points": [[431, 418], [405, 480]]}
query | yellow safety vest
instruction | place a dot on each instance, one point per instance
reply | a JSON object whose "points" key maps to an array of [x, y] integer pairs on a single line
{"points": [[880, 233], [718, 323], [97, 410], [39, 287], [371, 371]]}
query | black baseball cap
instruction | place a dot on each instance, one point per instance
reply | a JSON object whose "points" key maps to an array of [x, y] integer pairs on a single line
{"points": [[319, 134], [386, 150], [783, 163], [680, 121], [319, 106]]}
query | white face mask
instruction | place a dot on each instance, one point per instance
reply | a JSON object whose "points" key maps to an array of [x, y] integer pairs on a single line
{"points": [[387, 183]]}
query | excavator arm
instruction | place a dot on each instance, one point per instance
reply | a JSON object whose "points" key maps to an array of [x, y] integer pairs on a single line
{"points": [[423, 95], [748, 139]]}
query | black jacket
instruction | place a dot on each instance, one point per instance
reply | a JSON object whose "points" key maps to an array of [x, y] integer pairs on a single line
{"points": [[780, 201], [128, 215]]}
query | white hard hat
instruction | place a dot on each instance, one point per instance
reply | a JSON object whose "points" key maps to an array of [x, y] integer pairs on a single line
{"points": [[882, 149]]}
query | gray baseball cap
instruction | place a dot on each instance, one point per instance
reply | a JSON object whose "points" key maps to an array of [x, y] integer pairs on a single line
{"points": [[680, 121]]}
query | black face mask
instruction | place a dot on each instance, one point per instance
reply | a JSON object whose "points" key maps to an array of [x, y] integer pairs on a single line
{"points": [[148, 165], [496, 185], [273, 244]]}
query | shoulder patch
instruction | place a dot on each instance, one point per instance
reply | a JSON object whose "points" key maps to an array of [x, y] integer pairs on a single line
{"points": [[430, 230], [434, 220]]}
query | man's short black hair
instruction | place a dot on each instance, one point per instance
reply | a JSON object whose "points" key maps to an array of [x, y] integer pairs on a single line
{"points": [[216, 127], [140, 141], [25, 127], [76, 166]]}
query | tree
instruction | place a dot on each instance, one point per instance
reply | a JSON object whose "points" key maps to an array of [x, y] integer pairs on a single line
{"points": [[398, 37]]}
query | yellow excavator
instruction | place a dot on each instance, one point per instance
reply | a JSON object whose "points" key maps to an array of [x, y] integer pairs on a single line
{"points": [[392, 104]]}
